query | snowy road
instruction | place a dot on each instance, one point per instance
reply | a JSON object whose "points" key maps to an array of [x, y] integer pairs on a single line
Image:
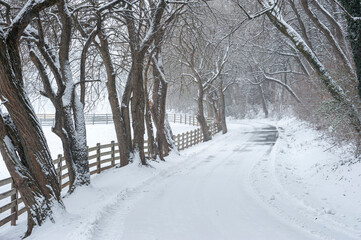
{"points": [[207, 197], [230, 188]]}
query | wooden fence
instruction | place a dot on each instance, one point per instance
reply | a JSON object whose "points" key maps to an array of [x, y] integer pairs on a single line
{"points": [[100, 157], [92, 119], [49, 119]]}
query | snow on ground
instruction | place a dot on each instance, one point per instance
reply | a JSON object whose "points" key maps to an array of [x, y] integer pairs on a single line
{"points": [[237, 186], [102, 133], [311, 182]]}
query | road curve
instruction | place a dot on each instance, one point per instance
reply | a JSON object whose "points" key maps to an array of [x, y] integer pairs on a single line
{"points": [[208, 197]]}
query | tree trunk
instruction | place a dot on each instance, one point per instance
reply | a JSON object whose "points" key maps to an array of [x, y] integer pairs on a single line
{"points": [[137, 103], [79, 143], [60, 131], [125, 117], [139, 47], [264, 104], [40, 188], [210, 107], [200, 115], [164, 133], [119, 121], [74, 144], [152, 149], [70, 130], [222, 108], [72, 109], [216, 105]]}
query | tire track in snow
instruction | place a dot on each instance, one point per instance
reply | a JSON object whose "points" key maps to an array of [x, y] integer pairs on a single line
{"points": [[125, 200], [209, 199]]}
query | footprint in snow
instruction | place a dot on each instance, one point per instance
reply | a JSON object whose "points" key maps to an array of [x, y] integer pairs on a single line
{"points": [[329, 211]]}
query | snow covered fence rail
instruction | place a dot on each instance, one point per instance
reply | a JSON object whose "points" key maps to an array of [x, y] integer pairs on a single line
{"points": [[186, 119], [100, 157], [49, 119]]}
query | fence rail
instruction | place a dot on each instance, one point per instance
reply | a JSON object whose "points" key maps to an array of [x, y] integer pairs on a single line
{"points": [[100, 157], [92, 119], [49, 119]]}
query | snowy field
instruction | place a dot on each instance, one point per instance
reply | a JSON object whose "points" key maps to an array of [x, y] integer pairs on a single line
{"points": [[102, 133], [242, 185]]}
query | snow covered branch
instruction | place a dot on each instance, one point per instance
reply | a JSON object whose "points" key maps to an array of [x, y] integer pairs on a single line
{"points": [[288, 88], [347, 13], [23, 18]]}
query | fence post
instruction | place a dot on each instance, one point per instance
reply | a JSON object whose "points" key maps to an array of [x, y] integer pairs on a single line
{"points": [[180, 118], [93, 118], [113, 153], [145, 148], [174, 118], [14, 210], [98, 157], [193, 134], [177, 141], [185, 118], [195, 137], [190, 139], [59, 169], [106, 118], [182, 141]]}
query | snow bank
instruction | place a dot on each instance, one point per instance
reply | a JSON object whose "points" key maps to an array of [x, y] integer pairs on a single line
{"points": [[311, 182], [102, 133], [327, 180]]}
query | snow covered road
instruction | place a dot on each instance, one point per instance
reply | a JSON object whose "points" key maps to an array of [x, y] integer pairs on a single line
{"points": [[224, 189], [209, 197]]}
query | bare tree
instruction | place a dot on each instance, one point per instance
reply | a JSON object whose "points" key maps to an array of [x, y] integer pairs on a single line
{"points": [[353, 16], [205, 60], [23, 145], [120, 113], [327, 33], [273, 12], [139, 45], [165, 141], [69, 115]]}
